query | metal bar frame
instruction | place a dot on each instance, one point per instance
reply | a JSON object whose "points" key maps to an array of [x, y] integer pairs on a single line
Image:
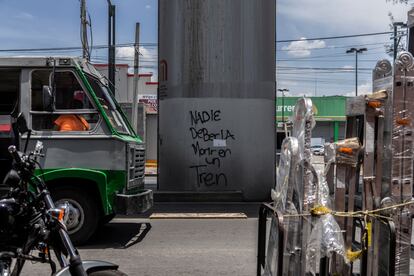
{"points": [[393, 247], [267, 208], [264, 210], [402, 168]]}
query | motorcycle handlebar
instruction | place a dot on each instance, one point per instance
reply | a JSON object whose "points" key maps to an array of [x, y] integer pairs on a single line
{"points": [[15, 154], [76, 266]]}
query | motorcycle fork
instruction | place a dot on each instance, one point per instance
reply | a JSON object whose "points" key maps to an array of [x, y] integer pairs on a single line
{"points": [[5, 267]]}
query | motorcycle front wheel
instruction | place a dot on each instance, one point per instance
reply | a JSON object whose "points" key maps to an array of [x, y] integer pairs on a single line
{"points": [[109, 272]]}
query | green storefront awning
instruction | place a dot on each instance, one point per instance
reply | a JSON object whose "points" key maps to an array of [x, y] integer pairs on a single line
{"points": [[330, 108]]}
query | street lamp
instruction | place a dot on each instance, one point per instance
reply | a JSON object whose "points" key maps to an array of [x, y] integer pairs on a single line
{"points": [[356, 51], [283, 103]]}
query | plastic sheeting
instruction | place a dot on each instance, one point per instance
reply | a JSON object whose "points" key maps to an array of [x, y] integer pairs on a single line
{"points": [[273, 249], [299, 188], [347, 151], [303, 122], [305, 180], [326, 236], [402, 155], [288, 155]]}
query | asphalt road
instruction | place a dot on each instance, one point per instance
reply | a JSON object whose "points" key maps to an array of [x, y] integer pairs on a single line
{"points": [[173, 247]]}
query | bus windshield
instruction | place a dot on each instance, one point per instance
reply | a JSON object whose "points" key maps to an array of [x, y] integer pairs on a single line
{"points": [[115, 118]]}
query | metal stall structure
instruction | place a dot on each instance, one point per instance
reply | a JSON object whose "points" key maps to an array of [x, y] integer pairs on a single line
{"points": [[369, 177], [216, 98]]}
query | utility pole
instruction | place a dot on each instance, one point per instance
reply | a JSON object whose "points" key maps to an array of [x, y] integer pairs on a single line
{"points": [[396, 37], [356, 51], [136, 77], [111, 46], [283, 105], [84, 34]]}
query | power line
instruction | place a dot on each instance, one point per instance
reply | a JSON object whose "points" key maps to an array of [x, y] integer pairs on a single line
{"points": [[322, 73], [72, 48], [327, 60], [331, 47], [319, 68], [333, 37], [154, 44], [333, 82], [333, 55]]}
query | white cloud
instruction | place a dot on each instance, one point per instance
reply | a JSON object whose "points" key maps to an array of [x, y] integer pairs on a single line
{"points": [[301, 93], [147, 59], [342, 16], [348, 67], [303, 47], [24, 16], [363, 89], [286, 84], [148, 6], [127, 54]]}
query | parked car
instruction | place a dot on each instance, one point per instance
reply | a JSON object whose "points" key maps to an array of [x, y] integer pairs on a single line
{"points": [[318, 149]]}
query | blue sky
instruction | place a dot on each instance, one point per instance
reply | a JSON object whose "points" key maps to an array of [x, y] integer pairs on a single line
{"points": [[52, 23], [43, 23], [324, 18], [55, 23]]}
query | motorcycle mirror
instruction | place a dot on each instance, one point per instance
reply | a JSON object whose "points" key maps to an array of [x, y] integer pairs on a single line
{"points": [[47, 98], [21, 124]]}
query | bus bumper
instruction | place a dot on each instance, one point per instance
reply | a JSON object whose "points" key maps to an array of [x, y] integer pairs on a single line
{"points": [[133, 204]]}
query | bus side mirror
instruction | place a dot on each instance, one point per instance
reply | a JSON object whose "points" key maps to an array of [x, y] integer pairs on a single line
{"points": [[47, 98]]}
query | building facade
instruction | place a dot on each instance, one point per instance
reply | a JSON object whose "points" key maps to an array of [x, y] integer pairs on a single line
{"points": [[329, 114]]}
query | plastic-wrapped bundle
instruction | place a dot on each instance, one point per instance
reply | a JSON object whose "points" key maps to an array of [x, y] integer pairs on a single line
{"points": [[288, 153], [402, 157], [323, 191], [306, 184], [273, 250], [347, 151], [330, 156], [303, 122], [402, 176], [326, 236], [403, 238]]}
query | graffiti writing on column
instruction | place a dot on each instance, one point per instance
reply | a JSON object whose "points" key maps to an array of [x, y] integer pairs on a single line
{"points": [[210, 146]]}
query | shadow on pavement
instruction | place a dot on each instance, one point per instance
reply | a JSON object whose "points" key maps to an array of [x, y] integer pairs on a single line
{"points": [[118, 235]]}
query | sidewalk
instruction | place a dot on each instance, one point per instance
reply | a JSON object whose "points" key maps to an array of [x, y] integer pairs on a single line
{"points": [[250, 209]]}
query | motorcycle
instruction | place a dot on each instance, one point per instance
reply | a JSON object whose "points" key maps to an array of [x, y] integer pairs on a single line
{"points": [[30, 221]]}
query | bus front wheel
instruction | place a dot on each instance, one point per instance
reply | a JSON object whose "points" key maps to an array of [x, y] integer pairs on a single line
{"points": [[83, 214]]}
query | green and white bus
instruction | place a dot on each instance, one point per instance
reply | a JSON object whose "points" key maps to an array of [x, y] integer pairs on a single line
{"points": [[94, 162]]}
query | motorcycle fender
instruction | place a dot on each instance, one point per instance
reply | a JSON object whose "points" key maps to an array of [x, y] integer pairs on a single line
{"points": [[89, 266]]}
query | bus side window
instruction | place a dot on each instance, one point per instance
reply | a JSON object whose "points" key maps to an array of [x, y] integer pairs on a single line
{"points": [[73, 109], [39, 79], [69, 92]]}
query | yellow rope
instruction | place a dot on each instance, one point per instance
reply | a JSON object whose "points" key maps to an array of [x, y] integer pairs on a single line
{"points": [[353, 255], [320, 210]]}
